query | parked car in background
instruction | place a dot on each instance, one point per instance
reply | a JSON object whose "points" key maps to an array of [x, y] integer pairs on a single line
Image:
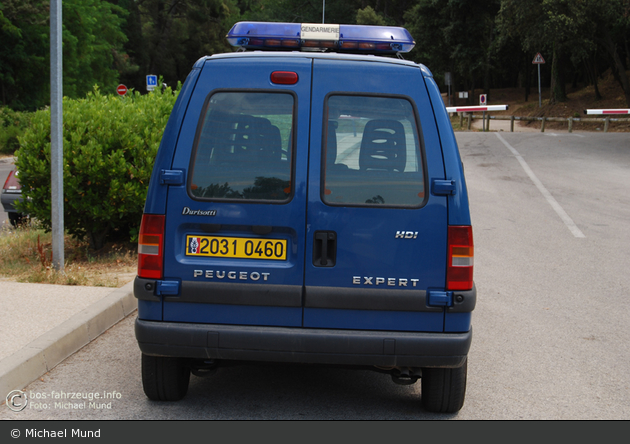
{"points": [[12, 193]]}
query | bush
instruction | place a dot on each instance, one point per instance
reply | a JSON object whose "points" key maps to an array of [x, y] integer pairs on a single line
{"points": [[110, 145], [12, 125]]}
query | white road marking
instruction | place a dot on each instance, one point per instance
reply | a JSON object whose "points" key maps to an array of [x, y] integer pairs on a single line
{"points": [[567, 134], [547, 195]]}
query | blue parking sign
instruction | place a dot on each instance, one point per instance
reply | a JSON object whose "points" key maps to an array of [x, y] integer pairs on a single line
{"points": [[151, 82]]}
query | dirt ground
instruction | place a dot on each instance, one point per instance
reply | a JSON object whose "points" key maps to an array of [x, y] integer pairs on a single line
{"points": [[578, 99]]}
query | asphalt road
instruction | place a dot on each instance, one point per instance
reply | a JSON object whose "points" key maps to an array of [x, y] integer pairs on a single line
{"points": [[551, 218]]}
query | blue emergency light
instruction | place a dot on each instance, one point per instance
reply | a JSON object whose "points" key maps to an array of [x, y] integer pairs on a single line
{"points": [[320, 37]]}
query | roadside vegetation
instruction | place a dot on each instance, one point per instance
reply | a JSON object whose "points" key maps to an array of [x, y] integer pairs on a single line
{"points": [[579, 98], [110, 144], [26, 255], [12, 125]]}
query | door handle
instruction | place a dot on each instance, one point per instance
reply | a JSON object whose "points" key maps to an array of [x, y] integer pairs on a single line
{"points": [[324, 249]]}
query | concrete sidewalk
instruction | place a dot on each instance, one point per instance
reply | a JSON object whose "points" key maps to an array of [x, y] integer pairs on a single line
{"points": [[42, 324]]}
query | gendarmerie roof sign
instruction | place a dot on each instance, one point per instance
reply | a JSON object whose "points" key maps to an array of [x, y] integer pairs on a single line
{"points": [[314, 31]]}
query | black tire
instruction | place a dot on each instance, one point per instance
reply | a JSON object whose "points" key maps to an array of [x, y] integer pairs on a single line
{"points": [[444, 389], [16, 219], [165, 379]]}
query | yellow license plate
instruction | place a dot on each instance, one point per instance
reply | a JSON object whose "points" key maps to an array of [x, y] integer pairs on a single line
{"points": [[237, 247]]}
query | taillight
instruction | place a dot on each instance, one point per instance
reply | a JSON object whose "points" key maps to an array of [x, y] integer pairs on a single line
{"points": [[151, 247], [12, 183], [459, 273]]}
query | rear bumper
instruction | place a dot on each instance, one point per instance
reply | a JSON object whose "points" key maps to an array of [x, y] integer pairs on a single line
{"points": [[9, 200], [302, 345]]}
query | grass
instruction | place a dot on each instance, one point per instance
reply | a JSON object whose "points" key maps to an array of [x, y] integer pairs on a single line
{"points": [[26, 256]]}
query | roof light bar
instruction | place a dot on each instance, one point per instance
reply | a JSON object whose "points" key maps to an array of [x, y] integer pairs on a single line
{"points": [[321, 37]]}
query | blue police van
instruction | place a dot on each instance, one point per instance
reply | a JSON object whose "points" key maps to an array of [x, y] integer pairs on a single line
{"points": [[308, 205]]}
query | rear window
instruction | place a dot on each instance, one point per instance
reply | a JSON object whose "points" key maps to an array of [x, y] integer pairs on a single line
{"points": [[243, 149], [372, 152]]}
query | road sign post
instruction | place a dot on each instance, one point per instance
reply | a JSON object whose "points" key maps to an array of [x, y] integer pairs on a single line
{"points": [[483, 100], [538, 60], [448, 80], [56, 136]]}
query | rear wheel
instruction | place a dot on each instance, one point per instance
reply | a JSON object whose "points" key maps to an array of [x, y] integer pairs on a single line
{"points": [[165, 378], [444, 389], [16, 219]]}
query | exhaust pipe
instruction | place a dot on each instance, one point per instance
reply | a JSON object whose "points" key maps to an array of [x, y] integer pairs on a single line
{"points": [[204, 369], [406, 376]]}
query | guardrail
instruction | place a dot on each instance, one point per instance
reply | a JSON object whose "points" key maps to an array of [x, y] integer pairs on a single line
{"points": [[570, 120]]}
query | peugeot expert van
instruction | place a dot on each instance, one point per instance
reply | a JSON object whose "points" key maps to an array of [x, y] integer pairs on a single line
{"points": [[308, 205]]}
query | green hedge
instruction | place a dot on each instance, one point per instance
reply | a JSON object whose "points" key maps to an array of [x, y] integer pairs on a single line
{"points": [[110, 145], [12, 125]]}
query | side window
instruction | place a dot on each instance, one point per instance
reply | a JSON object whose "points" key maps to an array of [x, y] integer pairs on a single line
{"points": [[243, 149], [372, 152]]}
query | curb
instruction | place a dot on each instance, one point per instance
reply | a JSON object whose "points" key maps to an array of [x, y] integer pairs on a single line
{"points": [[51, 348]]}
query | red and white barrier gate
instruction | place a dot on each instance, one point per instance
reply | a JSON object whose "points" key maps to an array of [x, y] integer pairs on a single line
{"points": [[470, 109], [606, 111]]}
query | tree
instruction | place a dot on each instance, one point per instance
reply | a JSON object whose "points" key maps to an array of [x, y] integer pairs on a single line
{"points": [[460, 37], [92, 36], [299, 11], [564, 20], [571, 30], [368, 16], [611, 29], [24, 54], [526, 21], [92, 39], [176, 33], [132, 63]]}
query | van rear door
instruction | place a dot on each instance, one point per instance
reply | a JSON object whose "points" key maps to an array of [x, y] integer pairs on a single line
{"points": [[377, 238], [236, 226]]}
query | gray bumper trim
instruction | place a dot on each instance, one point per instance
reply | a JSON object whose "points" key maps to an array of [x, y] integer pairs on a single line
{"points": [[302, 345]]}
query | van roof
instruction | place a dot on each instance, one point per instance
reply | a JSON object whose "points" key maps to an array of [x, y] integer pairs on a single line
{"points": [[316, 55]]}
